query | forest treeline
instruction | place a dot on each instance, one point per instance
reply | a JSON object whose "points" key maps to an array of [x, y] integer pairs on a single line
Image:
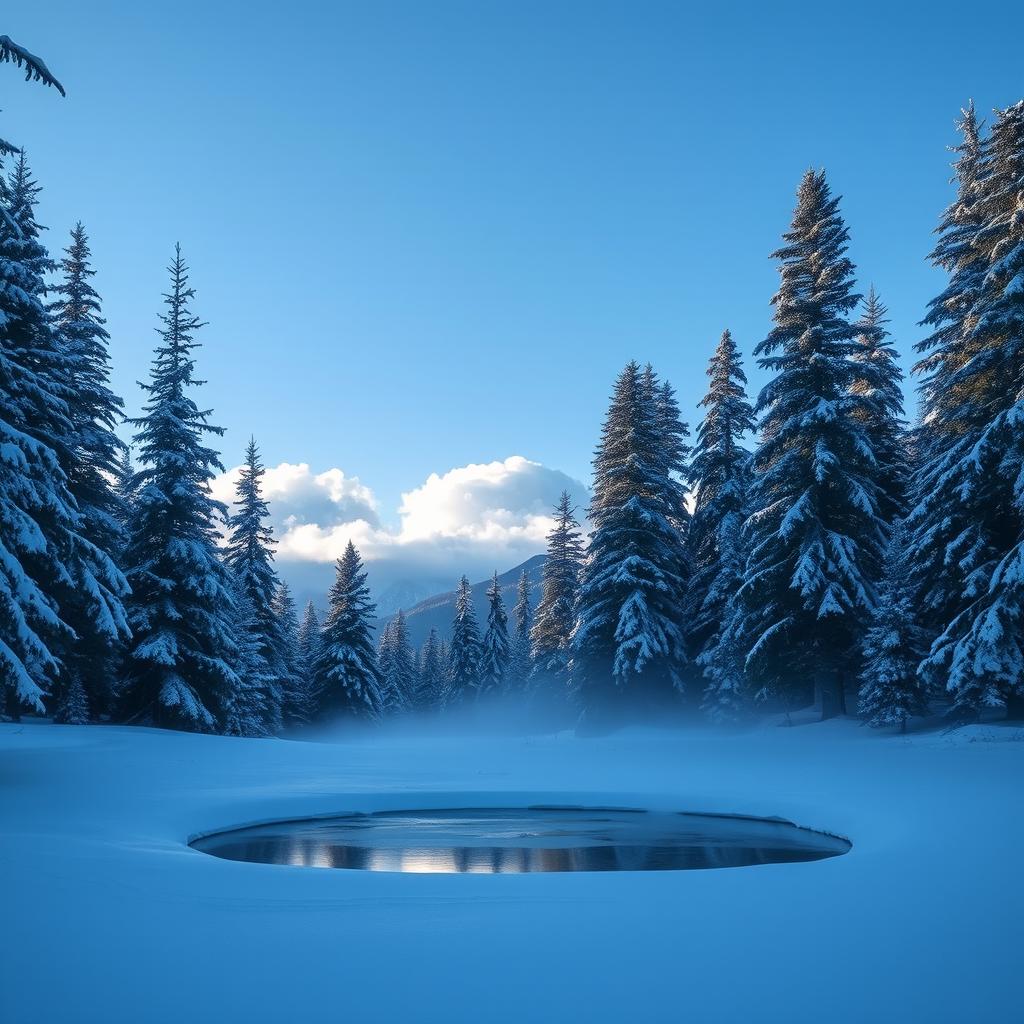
{"points": [[809, 546]]}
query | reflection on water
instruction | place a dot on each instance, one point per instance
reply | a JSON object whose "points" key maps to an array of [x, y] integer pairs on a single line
{"points": [[515, 840]]}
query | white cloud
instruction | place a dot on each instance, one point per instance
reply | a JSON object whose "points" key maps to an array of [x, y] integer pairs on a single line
{"points": [[471, 519], [493, 501], [298, 497]]}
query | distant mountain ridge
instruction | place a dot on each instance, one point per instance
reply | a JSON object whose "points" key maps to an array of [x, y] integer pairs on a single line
{"points": [[437, 611]]}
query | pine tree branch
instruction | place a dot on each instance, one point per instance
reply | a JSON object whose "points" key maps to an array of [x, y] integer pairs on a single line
{"points": [[35, 69]]}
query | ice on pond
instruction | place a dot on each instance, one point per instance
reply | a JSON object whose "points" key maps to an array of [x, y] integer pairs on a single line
{"points": [[518, 840]]}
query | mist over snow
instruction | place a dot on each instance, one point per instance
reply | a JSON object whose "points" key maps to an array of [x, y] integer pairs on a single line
{"points": [[471, 519]]}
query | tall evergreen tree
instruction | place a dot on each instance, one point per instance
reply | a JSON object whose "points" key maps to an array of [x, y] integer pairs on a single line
{"points": [[890, 690], [980, 653], [496, 651], [520, 659], [551, 635], [123, 486], [346, 675], [628, 643], [672, 453], [46, 562], [815, 534], [296, 704], [309, 648], [947, 532], [464, 651], [719, 476], [94, 456], [397, 662], [245, 712], [433, 677], [179, 670], [879, 378], [249, 555]]}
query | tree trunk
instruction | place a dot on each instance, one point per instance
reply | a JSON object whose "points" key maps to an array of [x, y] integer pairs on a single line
{"points": [[828, 687], [1015, 706]]}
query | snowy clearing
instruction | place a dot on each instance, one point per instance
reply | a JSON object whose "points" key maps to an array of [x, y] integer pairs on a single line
{"points": [[109, 916]]}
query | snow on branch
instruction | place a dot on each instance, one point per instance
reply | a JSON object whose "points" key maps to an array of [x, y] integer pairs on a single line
{"points": [[35, 69]]}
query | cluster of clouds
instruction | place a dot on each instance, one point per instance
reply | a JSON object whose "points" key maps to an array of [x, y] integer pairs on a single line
{"points": [[471, 519]]}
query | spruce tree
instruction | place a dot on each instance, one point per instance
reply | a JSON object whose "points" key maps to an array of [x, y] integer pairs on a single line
{"points": [[46, 562], [123, 486], [496, 651], [249, 555], [672, 453], [628, 643], [723, 660], [397, 663], [464, 651], [74, 708], [520, 660], [345, 673], [719, 476], [879, 377], [433, 677], [551, 635], [309, 648], [295, 692], [246, 712], [947, 532], [179, 669], [94, 459], [890, 690], [815, 536], [980, 653]]}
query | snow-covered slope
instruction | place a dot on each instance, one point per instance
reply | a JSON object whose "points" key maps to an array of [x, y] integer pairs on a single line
{"points": [[108, 916], [437, 612]]}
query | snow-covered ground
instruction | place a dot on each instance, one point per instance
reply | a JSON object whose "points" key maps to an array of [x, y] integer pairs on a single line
{"points": [[106, 915]]}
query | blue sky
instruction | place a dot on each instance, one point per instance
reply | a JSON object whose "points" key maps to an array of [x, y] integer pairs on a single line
{"points": [[427, 235]]}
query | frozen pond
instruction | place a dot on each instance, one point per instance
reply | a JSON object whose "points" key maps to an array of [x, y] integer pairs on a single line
{"points": [[515, 840]]}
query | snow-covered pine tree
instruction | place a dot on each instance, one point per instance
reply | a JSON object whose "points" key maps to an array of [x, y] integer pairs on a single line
{"points": [[879, 377], [406, 672], [94, 459], [396, 661], [673, 453], [464, 651], [946, 532], [723, 660], [890, 689], [433, 678], [123, 486], [980, 653], [551, 635], [309, 647], [520, 663], [389, 696], [246, 712], [628, 646], [719, 476], [74, 707], [295, 697], [345, 673], [179, 668], [34, 501], [496, 650], [815, 536], [249, 555], [44, 558]]}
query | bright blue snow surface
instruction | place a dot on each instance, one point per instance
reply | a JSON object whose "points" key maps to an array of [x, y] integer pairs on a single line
{"points": [[108, 916]]}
